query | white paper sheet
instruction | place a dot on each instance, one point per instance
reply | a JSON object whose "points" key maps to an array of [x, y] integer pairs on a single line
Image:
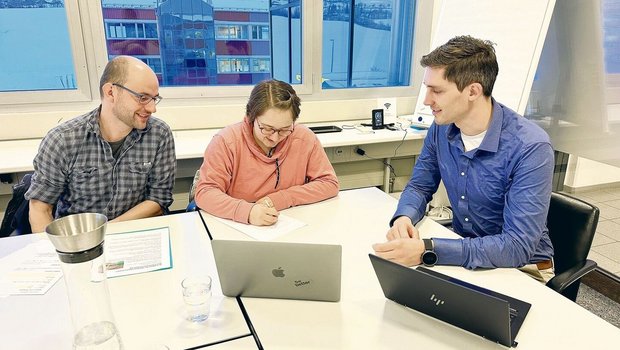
{"points": [[32, 270], [284, 225], [135, 252]]}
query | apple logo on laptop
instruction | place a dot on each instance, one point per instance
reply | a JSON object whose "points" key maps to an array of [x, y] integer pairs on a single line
{"points": [[279, 272]]}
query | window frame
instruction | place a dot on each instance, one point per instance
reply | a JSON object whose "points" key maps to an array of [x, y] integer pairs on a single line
{"points": [[90, 57], [79, 51]]}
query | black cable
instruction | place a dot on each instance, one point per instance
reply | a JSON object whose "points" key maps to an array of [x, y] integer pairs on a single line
{"points": [[361, 152], [402, 140]]}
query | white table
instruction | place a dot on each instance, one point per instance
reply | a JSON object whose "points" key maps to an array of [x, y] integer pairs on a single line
{"points": [[148, 307], [17, 155], [364, 319]]}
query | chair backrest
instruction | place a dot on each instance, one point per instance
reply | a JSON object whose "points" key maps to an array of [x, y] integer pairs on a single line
{"points": [[16, 220], [572, 225], [192, 188]]}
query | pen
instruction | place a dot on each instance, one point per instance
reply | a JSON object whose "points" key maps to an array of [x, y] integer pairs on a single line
{"points": [[268, 203]]}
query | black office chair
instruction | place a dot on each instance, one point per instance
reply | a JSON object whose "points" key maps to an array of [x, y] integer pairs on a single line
{"points": [[192, 192], [572, 225], [16, 221]]}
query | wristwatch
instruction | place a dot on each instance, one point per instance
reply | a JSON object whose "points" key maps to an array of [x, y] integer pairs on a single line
{"points": [[429, 257]]}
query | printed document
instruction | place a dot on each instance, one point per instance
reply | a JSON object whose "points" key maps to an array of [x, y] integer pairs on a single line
{"points": [[32, 270], [129, 253]]}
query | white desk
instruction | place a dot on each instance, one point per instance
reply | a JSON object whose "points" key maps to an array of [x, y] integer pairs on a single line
{"points": [[17, 155], [148, 307], [364, 319]]}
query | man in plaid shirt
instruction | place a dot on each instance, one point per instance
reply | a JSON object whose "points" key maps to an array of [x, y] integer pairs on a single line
{"points": [[116, 160]]}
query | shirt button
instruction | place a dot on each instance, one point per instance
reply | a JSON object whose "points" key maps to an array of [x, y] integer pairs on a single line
{"points": [[467, 219], [462, 197], [462, 174]]}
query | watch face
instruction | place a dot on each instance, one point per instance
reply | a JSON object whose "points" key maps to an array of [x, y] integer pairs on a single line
{"points": [[429, 258]]}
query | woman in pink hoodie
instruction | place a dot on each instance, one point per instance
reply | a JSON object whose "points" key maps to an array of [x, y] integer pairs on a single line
{"points": [[266, 163]]}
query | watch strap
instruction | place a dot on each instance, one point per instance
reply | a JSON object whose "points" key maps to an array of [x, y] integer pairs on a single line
{"points": [[428, 244]]}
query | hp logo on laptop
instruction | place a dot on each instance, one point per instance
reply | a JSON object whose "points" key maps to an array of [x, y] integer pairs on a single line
{"points": [[436, 300]]}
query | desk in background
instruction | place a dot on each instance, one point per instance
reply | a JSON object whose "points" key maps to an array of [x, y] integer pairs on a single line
{"points": [[148, 307], [396, 148], [364, 319], [382, 147]]}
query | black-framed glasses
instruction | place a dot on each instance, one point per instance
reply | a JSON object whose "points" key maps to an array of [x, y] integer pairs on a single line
{"points": [[267, 130], [143, 99]]}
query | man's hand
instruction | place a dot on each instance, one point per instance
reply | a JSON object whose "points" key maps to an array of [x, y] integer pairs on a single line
{"points": [[402, 228], [405, 251], [261, 215]]}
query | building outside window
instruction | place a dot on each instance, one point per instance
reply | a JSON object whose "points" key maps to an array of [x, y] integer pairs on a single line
{"points": [[366, 43]]}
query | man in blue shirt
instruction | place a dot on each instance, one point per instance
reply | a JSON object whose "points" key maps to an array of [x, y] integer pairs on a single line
{"points": [[497, 168]]}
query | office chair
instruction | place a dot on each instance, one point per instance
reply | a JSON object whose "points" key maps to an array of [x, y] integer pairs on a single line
{"points": [[572, 225], [192, 192], [16, 216]]}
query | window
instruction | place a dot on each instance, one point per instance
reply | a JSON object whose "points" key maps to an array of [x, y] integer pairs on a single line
{"points": [[611, 48], [129, 30], [260, 65], [233, 65], [231, 31], [260, 32], [367, 43], [45, 62], [286, 40], [190, 43]]}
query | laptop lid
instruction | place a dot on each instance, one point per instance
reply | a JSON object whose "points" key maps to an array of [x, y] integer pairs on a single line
{"points": [[278, 270], [467, 306]]}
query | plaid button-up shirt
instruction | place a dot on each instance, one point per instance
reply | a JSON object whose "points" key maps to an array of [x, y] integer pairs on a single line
{"points": [[75, 168]]}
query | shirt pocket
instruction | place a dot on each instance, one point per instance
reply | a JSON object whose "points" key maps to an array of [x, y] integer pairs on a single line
{"points": [[138, 175], [84, 182]]}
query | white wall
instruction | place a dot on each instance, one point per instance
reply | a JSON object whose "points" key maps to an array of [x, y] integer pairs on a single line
{"points": [[585, 174]]}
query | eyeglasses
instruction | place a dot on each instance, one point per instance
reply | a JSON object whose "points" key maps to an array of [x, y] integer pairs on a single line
{"points": [[266, 130], [143, 99]]}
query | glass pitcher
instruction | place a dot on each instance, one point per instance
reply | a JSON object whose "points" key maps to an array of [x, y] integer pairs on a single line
{"points": [[78, 240]]}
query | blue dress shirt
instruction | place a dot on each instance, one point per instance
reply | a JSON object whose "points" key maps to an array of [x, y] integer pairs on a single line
{"points": [[499, 192]]}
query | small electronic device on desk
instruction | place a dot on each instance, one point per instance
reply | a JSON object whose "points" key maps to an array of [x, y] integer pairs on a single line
{"points": [[325, 129]]}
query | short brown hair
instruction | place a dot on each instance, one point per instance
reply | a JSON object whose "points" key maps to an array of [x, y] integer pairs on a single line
{"points": [[466, 60], [115, 72], [272, 94]]}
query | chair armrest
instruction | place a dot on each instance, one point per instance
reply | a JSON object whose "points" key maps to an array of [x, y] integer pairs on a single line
{"points": [[192, 206], [568, 277]]}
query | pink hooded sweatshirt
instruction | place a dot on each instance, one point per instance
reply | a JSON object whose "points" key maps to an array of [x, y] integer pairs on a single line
{"points": [[236, 173]]}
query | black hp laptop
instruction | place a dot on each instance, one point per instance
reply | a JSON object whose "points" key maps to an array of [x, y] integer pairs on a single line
{"points": [[492, 315]]}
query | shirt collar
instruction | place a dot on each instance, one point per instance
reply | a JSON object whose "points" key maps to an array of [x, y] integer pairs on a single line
{"points": [[490, 142], [93, 121]]}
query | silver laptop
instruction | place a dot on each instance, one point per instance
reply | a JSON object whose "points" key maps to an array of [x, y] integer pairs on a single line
{"points": [[278, 270]]}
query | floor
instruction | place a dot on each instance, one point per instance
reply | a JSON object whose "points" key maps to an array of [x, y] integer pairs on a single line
{"points": [[606, 246], [599, 304]]}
